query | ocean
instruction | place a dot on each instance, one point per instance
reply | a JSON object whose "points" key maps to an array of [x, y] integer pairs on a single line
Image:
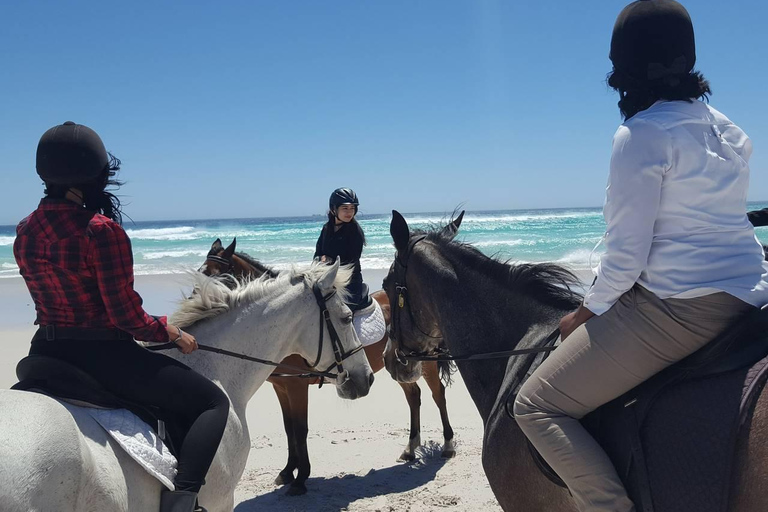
{"points": [[566, 236]]}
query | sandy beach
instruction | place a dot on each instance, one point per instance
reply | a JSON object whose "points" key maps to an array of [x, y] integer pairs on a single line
{"points": [[353, 445]]}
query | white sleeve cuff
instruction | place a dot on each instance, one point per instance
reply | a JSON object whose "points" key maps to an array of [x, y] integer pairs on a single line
{"points": [[598, 308]]}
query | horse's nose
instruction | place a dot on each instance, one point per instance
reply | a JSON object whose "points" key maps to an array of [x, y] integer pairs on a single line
{"points": [[370, 380]]}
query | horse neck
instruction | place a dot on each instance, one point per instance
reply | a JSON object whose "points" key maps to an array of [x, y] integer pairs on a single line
{"points": [[270, 328], [477, 315], [244, 269]]}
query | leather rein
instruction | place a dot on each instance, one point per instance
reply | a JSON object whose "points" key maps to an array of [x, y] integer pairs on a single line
{"points": [[441, 353], [325, 321]]}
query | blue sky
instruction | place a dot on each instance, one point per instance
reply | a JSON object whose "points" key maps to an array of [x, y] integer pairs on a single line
{"points": [[262, 108]]}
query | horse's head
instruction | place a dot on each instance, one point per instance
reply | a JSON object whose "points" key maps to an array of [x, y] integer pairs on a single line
{"points": [[338, 348], [219, 260], [228, 264], [414, 329]]}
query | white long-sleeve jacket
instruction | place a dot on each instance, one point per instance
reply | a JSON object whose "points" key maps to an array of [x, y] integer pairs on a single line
{"points": [[675, 209]]}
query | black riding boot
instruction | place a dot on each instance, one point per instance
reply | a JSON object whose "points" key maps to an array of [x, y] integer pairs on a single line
{"points": [[179, 501]]}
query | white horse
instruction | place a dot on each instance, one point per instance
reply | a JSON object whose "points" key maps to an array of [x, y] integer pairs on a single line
{"points": [[55, 458]]}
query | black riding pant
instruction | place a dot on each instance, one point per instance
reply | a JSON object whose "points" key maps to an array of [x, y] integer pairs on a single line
{"points": [[198, 407]]}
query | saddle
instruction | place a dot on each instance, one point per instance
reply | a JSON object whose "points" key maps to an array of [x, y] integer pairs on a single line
{"points": [[61, 380], [673, 438]]}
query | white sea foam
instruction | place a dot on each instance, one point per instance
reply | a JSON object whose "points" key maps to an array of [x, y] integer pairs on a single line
{"points": [[579, 259], [374, 263], [505, 243], [140, 269], [167, 234], [7, 240], [8, 270], [171, 254], [511, 217]]}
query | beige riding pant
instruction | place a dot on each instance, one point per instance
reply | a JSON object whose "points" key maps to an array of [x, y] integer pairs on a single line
{"points": [[604, 358]]}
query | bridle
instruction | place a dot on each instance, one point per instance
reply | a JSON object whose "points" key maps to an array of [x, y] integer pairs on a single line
{"points": [[403, 303], [325, 319], [228, 263], [440, 353], [338, 350]]}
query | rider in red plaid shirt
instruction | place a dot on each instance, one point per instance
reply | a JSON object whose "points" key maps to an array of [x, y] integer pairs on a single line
{"points": [[79, 270], [77, 262]]}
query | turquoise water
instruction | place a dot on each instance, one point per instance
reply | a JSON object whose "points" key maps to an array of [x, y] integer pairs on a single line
{"points": [[566, 236]]}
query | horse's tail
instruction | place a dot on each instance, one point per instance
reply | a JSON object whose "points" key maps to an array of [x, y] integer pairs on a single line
{"points": [[446, 369]]}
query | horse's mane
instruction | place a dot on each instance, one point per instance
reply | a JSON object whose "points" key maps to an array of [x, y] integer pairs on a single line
{"points": [[213, 297], [257, 264], [547, 282]]}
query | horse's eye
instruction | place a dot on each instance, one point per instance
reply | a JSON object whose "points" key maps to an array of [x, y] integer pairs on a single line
{"points": [[347, 319]]}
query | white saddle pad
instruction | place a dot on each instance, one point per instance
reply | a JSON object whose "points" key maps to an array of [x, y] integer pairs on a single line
{"points": [[369, 324], [138, 440]]}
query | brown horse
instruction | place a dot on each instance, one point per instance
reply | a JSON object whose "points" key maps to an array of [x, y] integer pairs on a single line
{"points": [[293, 392]]}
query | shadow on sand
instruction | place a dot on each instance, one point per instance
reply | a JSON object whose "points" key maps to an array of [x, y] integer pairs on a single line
{"points": [[336, 493]]}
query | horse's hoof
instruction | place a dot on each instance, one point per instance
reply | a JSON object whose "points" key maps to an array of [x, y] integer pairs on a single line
{"points": [[407, 457], [296, 489], [448, 454], [284, 478]]}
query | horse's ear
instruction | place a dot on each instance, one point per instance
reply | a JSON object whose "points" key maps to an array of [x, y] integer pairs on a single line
{"points": [[398, 228], [451, 229], [229, 251], [326, 282], [216, 246]]}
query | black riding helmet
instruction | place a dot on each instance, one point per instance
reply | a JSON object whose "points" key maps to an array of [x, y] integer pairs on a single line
{"points": [[342, 196], [653, 40], [70, 154]]}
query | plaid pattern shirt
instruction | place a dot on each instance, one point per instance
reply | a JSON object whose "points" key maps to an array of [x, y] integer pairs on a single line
{"points": [[78, 267]]}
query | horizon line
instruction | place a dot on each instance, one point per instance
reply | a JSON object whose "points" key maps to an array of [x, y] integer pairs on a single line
{"points": [[363, 214]]}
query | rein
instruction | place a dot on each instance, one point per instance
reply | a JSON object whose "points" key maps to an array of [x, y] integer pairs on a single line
{"points": [[216, 350], [325, 318], [547, 347]]}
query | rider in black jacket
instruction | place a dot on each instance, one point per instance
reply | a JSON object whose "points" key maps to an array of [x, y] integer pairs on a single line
{"points": [[343, 237]]}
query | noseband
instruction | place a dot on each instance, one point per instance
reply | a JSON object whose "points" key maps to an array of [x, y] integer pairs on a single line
{"points": [[221, 261], [403, 302]]}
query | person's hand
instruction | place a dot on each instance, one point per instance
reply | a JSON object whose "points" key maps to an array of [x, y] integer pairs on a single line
{"points": [[571, 321], [185, 341], [323, 259]]}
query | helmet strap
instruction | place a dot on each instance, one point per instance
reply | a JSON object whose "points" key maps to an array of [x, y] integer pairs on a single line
{"points": [[75, 195]]}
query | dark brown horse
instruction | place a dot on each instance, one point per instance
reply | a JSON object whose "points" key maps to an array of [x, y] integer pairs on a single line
{"points": [[293, 392], [453, 294]]}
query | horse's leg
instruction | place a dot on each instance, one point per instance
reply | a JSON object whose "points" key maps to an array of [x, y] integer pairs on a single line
{"points": [[432, 376], [413, 395], [299, 395], [375, 354], [749, 486], [286, 475]]}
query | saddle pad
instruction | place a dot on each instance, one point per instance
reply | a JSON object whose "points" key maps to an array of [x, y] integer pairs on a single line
{"points": [[369, 324], [138, 440], [699, 422]]}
